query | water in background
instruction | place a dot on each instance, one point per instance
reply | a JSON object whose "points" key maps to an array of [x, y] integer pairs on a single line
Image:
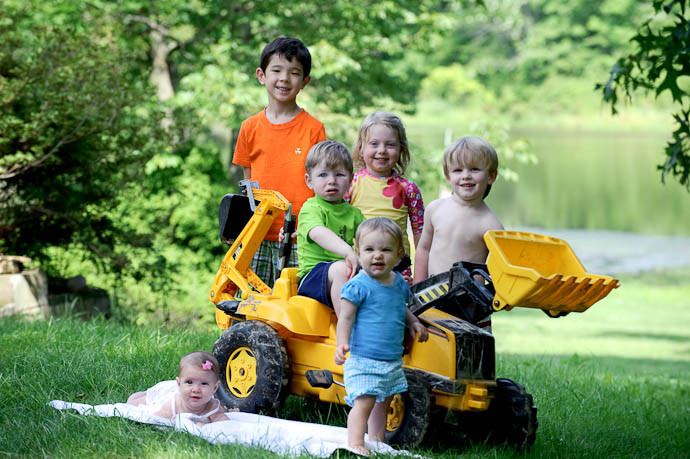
{"points": [[594, 181]]}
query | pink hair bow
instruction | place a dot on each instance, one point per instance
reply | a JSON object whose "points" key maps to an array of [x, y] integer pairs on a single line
{"points": [[207, 365]]}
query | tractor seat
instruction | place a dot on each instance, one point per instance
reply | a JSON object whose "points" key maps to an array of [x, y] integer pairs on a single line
{"points": [[286, 285]]}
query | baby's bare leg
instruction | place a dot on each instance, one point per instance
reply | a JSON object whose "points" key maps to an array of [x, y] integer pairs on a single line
{"points": [[357, 421], [377, 420]]}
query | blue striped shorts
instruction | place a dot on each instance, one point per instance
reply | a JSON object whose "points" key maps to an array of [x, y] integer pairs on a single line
{"points": [[365, 376]]}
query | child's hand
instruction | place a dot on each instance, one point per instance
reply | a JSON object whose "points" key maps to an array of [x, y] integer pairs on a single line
{"points": [[340, 353], [281, 235], [419, 331], [352, 264]]}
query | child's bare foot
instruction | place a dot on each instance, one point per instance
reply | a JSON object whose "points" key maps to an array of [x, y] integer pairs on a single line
{"points": [[359, 449]]}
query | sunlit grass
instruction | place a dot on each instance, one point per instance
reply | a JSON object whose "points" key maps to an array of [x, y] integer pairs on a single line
{"points": [[647, 317], [611, 382]]}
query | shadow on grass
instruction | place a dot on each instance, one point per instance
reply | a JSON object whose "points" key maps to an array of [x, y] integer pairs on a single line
{"points": [[510, 365], [640, 335]]}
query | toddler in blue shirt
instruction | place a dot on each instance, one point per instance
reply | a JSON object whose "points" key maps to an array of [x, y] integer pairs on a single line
{"points": [[371, 327]]}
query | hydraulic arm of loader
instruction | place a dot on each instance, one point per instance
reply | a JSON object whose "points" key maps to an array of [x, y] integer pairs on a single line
{"points": [[243, 224], [469, 297]]}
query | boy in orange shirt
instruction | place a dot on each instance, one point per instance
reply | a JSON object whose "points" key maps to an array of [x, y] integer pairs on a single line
{"points": [[272, 145]]}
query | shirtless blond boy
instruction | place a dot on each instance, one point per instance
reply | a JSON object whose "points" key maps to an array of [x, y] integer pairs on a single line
{"points": [[454, 226]]}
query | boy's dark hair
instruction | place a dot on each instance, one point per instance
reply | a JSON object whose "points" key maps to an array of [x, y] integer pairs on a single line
{"points": [[288, 48]]}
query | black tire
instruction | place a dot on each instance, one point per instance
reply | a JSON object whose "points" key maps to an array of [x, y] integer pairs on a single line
{"points": [[512, 415], [254, 368], [409, 412]]}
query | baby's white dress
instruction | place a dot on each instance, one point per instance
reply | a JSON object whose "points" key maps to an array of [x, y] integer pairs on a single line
{"points": [[165, 391]]}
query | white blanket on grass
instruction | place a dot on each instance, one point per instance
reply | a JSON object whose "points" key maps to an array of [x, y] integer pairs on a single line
{"points": [[278, 435]]}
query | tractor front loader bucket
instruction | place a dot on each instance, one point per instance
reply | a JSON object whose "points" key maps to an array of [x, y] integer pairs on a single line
{"points": [[534, 271]]}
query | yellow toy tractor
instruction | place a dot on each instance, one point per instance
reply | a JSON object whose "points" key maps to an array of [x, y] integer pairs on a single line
{"points": [[276, 342]]}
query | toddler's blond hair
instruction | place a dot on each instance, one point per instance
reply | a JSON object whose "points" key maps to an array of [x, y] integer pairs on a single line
{"points": [[470, 150], [383, 224]]}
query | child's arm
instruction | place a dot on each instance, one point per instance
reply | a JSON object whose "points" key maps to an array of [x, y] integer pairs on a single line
{"points": [[330, 241], [247, 173], [137, 398], [165, 410], [416, 327], [348, 313], [219, 416], [416, 237], [421, 254], [415, 210]]}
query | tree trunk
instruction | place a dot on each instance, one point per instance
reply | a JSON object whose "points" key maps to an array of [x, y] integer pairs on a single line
{"points": [[160, 74]]}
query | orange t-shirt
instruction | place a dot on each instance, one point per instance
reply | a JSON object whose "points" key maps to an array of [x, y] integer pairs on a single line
{"points": [[276, 154]]}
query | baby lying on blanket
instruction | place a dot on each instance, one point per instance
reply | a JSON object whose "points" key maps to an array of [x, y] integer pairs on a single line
{"points": [[191, 392], [187, 404]]}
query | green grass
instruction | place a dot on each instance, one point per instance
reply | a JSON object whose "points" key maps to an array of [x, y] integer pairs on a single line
{"points": [[612, 382]]}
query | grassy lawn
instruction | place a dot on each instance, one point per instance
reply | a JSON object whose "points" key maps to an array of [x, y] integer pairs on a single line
{"points": [[612, 382]]}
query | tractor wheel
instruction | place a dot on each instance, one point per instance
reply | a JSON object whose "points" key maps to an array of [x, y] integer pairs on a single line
{"points": [[254, 367], [512, 415], [409, 412]]}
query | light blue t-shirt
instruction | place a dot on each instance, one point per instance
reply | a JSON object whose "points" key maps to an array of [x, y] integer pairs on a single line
{"points": [[379, 327]]}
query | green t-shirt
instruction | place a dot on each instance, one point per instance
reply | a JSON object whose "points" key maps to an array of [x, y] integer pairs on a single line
{"points": [[343, 219]]}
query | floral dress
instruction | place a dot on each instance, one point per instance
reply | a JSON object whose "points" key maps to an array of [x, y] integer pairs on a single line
{"points": [[394, 197]]}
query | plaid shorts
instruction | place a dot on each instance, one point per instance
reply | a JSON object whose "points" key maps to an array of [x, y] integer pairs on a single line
{"points": [[365, 376], [265, 261]]}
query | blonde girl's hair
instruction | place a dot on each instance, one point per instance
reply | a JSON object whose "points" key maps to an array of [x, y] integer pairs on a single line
{"points": [[385, 119], [201, 360], [470, 150], [384, 224], [333, 153]]}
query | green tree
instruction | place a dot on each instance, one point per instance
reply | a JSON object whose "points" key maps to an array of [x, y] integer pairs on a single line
{"points": [[659, 64], [517, 48], [70, 139], [140, 72]]}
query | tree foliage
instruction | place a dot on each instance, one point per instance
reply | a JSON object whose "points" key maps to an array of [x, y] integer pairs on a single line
{"points": [[70, 139], [660, 63], [110, 114], [516, 47]]}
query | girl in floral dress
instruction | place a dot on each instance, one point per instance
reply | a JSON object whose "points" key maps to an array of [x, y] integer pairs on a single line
{"points": [[378, 188]]}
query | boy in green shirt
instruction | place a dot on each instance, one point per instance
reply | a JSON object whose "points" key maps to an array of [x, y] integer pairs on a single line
{"points": [[327, 225]]}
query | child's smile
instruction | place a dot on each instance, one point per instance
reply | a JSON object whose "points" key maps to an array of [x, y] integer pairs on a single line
{"points": [[283, 79], [378, 254], [469, 182], [381, 150]]}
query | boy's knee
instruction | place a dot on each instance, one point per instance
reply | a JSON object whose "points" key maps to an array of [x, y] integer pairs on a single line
{"points": [[337, 271]]}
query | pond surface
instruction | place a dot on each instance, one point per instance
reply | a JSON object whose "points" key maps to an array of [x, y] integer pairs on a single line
{"points": [[615, 252], [601, 192], [603, 181]]}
